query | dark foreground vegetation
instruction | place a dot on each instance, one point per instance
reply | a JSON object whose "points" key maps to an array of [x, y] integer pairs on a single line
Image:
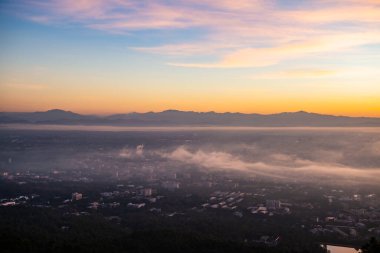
{"points": [[42, 230]]}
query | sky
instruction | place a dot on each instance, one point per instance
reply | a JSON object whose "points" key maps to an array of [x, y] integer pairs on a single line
{"points": [[250, 56]]}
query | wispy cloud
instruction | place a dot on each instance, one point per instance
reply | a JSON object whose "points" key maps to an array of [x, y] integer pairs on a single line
{"points": [[297, 73], [237, 33], [265, 56], [279, 166], [131, 153]]}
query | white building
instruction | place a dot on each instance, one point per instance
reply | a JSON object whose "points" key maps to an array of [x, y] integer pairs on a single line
{"points": [[76, 196]]}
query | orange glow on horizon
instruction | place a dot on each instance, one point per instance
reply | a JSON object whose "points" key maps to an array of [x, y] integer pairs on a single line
{"points": [[349, 106]]}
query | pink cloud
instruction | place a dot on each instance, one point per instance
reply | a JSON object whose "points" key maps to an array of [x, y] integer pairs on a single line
{"points": [[235, 31], [260, 57]]}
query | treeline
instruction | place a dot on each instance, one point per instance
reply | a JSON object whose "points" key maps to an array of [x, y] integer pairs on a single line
{"points": [[24, 229]]}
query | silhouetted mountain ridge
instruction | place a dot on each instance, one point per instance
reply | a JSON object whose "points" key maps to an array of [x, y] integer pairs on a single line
{"points": [[188, 118]]}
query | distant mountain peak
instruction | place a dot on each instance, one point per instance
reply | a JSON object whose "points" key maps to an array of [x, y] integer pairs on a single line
{"points": [[58, 111], [171, 110], [173, 117]]}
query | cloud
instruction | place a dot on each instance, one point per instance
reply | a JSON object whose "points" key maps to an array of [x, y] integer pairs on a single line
{"points": [[138, 152], [239, 34], [266, 56], [318, 73], [277, 165], [371, 149], [187, 49], [213, 159], [297, 73], [366, 13], [219, 161]]}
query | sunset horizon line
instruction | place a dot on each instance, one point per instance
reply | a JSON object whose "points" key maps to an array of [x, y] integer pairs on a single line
{"points": [[193, 111]]}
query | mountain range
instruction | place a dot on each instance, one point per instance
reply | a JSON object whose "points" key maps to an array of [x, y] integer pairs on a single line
{"points": [[189, 118]]}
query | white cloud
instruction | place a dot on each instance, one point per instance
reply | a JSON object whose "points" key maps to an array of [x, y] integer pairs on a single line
{"points": [[280, 166], [130, 153], [240, 33]]}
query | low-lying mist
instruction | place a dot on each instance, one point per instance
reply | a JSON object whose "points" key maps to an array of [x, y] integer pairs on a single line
{"points": [[333, 157], [274, 165], [329, 155]]}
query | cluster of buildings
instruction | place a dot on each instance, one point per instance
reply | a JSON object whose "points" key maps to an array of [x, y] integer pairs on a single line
{"points": [[328, 212], [20, 200], [271, 207], [224, 200], [358, 216]]}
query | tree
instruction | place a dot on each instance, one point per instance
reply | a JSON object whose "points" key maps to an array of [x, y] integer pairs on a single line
{"points": [[373, 246]]}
